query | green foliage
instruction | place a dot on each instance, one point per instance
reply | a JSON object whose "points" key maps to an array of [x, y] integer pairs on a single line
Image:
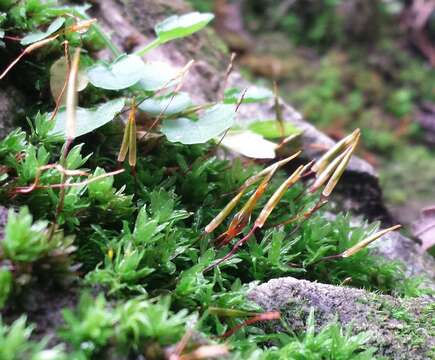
{"points": [[6, 281], [399, 177], [124, 72], [210, 124], [13, 143], [138, 254], [331, 342], [25, 240], [91, 327], [38, 36], [271, 129], [253, 94], [177, 26], [89, 119], [15, 343], [166, 105], [96, 324], [144, 320], [400, 102]]}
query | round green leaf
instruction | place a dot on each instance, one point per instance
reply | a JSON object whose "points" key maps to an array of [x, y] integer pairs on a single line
{"points": [[166, 104], [176, 26], [158, 75], [58, 74], [124, 72], [249, 144], [40, 35], [210, 124], [254, 94], [271, 129], [89, 119]]}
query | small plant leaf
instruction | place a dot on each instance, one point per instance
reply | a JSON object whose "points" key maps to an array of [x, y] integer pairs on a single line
{"points": [[210, 124], [225, 212], [176, 27], [124, 72], [58, 73], [271, 129], [249, 144], [40, 35], [166, 105], [333, 181], [254, 94], [88, 120], [277, 195], [158, 75], [242, 218], [257, 177], [332, 153]]}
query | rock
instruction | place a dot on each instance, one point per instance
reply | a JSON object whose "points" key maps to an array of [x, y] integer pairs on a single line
{"points": [[3, 221], [400, 328], [11, 105], [395, 246], [43, 304], [425, 117]]}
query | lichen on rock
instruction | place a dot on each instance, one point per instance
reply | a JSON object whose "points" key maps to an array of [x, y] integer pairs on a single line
{"points": [[400, 328]]}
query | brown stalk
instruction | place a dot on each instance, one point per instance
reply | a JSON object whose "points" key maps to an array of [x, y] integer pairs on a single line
{"points": [[71, 108], [267, 316], [228, 72], [278, 110], [41, 169], [59, 98], [26, 51]]}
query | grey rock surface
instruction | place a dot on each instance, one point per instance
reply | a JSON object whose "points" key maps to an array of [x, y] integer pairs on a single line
{"points": [[395, 246], [3, 221], [400, 328], [11, 105]]}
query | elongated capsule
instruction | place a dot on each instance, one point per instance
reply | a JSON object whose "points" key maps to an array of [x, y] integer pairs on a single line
{"points": [[255, 178], [323, 177], [323, 162], [229, 312], [132, 149], [71, 97], [125, 143], [225, 212], [82, 26], [364, 243], [277, 195], [339, 171], [250, 204], [242, 218]]}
